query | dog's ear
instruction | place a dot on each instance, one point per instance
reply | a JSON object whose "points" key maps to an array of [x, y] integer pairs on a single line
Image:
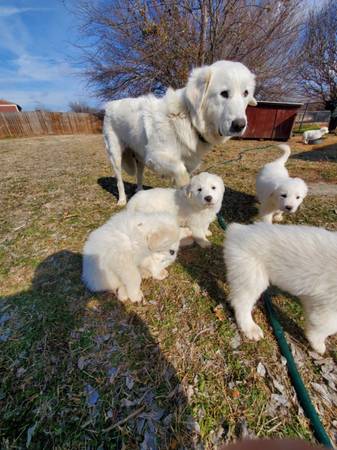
{"points": [[162, 238], [187, 191], [197, 87], [252, 102]]}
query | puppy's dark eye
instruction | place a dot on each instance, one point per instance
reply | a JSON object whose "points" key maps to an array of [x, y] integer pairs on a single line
{"points": [[213, 187], [200, 189], [172, 252], [224, 94], [284, 195], [298, 197], [245, 94]]}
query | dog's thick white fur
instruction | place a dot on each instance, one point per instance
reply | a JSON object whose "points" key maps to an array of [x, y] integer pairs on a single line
{"points": [[127, 248], [195, 206], [171, 134], [314, 135], [301, 260], [276, 191]]}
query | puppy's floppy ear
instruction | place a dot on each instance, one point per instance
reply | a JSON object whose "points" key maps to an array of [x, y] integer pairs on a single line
{"points": [[163, 237], [252, 102], [187, 190], [197, 86]]}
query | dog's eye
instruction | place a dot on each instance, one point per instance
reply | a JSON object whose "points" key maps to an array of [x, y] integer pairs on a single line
{"points": [[298, 197], [245, 94], [200, 189], [172, 252], [284, 195], [224, 94], [213, 187]]}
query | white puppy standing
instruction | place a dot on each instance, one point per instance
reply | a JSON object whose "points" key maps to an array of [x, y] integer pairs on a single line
{"points": [[195, 206], [126, 249], [301, 260], [171, 134], [276, 191], [314, 135]]}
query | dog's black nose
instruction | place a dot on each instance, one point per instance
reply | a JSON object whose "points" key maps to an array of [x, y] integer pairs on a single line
{"points": [[208, 198], [238, 125], [289, 208]]}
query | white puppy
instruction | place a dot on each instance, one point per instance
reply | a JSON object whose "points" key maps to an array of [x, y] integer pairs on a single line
{"points": [[126, 249], [276, 191], [195, 206], [172, 133], [301, 260], [314, 135]]}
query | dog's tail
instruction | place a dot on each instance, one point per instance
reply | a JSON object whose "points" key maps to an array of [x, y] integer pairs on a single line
{"points": [[129, 163], [286, 153]]}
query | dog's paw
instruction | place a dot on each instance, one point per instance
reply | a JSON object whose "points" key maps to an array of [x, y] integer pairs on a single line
{"points": [[182, 179], [204, 243], [208, 233], [136, 298], [121, 201], [122, 294], [162, 275], [254, 332], [317, 344], [278, 217]]}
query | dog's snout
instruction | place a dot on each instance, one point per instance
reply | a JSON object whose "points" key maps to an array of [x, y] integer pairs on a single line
{"points": [[238, 125], [208, 198], [289, 208]]}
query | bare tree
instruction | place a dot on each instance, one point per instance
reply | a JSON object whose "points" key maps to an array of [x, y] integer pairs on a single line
{"points": [[81, 107], [319, 69], [146, 45]]}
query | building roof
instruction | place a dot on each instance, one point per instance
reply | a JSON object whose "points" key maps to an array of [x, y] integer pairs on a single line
{"points": [[4, 102]]}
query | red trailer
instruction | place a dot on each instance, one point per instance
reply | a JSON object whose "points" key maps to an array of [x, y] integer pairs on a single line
{"points": [[271, 120]]}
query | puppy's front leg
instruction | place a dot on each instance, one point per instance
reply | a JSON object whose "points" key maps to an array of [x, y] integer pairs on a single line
{"points": [[132, 279], [200, 238]]}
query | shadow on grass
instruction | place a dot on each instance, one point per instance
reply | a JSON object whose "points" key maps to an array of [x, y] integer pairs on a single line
{"points": [[73, 364], [238, 206], [327, 153], [110, 184]]}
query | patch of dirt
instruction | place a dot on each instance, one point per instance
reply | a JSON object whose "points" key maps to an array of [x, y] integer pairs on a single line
{"points": [[319, 189]]}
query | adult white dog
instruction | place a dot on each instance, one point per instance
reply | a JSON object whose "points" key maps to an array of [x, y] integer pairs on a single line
{"points": [[195, 206], [126, 249], [301, 260], [171, 134], [314, 135], [276, 191]]}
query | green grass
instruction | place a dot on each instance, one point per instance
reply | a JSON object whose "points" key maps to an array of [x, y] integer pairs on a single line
{"points": [[156, 365]]}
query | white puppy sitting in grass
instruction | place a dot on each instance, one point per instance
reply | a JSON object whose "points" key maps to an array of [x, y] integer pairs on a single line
{"points": [[126, 249], [314, 135], [195, 206], [301, 260], [276, 191]]}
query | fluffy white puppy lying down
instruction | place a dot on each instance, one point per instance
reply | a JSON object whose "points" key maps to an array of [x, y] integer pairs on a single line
{"points": [[171, 134], [301, 260], [195, 206], [276, 191], [314, 135], [126, 249]]}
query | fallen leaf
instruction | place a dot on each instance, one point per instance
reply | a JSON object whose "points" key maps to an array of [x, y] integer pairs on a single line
{"points": [[92, 395], [30, 433], [261, 370], [219, 312]]}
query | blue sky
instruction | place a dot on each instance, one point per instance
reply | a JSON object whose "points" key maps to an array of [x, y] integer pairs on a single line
{"points": [[38, 61]]}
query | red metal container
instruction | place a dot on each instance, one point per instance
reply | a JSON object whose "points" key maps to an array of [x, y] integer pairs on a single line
{"points": [[271, 120]]}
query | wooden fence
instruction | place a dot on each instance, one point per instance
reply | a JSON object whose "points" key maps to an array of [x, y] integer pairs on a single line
{"points": [[37, 123]]}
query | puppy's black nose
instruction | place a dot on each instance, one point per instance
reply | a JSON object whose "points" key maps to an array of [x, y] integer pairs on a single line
{"points": [[289, 208], [208, 198], [238, 125]]}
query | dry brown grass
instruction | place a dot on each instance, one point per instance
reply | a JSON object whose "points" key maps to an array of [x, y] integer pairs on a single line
{"points": [[173, 370]]}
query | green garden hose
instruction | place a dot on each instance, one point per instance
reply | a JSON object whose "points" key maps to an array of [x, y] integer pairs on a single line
{"points": [[301, 391]]}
